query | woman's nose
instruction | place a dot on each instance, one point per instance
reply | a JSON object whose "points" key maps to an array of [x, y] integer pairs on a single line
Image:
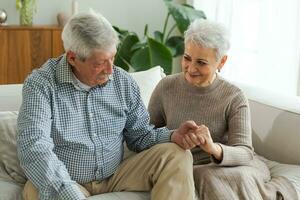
{"points": [[191, 68]]}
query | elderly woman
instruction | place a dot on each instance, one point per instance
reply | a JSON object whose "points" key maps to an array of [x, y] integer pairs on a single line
{"points": [[225, 166]]}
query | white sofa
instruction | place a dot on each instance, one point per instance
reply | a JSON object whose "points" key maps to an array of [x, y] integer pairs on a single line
{"points": [[275, 121]]}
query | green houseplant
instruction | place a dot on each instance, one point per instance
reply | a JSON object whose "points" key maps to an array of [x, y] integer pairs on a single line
{"points": [[26, 9], [141, 54]]}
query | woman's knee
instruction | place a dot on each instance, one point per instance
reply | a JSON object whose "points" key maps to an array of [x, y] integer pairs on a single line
{"points": [[211, 173]]}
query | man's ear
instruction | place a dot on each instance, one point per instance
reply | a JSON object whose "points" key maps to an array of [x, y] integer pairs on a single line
{"points": [[222, 62], [71, 57]]}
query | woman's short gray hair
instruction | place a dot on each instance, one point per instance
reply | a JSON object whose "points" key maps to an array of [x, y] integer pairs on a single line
{"points": [[88, 31], [210, 35]]}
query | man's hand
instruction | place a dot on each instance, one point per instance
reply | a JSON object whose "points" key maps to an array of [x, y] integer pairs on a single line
{"points": [[185, 136]]}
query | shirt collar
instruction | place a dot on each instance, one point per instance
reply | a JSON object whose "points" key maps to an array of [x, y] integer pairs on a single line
{"points": [[64, 71]]}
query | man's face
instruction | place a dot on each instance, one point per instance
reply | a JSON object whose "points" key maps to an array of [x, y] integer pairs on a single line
{"points": [[95, 69]]}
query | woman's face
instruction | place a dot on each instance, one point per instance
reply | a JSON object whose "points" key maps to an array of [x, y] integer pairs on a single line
{"points": [[199, 64]]}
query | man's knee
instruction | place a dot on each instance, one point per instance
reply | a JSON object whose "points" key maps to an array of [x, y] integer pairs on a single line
{"points": [[173, 152]]}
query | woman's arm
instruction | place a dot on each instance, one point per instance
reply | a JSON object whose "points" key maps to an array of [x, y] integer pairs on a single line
{"points": [[238, 150]]}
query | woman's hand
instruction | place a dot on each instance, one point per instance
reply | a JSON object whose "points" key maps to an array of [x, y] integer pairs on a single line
{"points": [[186, 129], [206, 142]]}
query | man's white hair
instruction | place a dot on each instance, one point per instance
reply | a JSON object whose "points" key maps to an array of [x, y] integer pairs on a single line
{"points": [[88, 31]]}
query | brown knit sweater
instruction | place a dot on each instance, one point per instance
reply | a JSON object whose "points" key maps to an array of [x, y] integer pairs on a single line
{"points": [[221, 106]]}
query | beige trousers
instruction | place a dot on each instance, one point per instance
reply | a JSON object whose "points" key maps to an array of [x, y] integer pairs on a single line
{"points": [[165, 169]]}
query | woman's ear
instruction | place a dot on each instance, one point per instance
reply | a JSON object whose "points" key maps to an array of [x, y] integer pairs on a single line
{"points": [[222, 63], [71, 58]]}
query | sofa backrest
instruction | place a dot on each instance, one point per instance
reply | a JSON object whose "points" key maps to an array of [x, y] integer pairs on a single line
{"points": [[275, 124], [10, 97], [275, 133]]}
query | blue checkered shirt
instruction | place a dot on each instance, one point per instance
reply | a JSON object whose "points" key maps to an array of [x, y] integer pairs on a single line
{"points": [[68, 135]]}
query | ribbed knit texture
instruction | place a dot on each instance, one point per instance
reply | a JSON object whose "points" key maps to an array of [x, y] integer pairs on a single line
{"points": [[221, 106], [224, 109]]}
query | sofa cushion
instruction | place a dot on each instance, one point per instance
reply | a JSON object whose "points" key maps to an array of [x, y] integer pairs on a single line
{"points": [[10, 190], [13, 191], [122, 196], [147, 80], [10, 169], [291, 172]]}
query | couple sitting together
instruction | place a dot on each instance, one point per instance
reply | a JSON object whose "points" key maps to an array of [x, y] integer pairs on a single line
{"points": [[78, 109]]}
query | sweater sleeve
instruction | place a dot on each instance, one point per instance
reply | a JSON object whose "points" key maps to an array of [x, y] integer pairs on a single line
{"points": [[238, 150], [155, 108]]}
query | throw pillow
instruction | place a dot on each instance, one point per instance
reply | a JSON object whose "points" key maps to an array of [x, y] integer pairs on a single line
{"points": [[9, 163], [147, 80]]}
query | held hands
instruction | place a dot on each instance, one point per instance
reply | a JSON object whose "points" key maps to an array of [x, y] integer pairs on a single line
{"points": [[186, 128], [188, 136]]}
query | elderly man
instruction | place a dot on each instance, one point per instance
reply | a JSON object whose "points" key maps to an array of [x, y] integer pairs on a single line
{"points": [[78, 109]]}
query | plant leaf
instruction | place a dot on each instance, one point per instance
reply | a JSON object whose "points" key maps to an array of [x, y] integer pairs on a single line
{"points": [[19, 4], [121, 62], [140, 60], [158, 36], [146, 30], [120, 31], [139, 45], [176, 45], [188, 5], [160, 55], [124, 54], [183, 14], [154, 54]]}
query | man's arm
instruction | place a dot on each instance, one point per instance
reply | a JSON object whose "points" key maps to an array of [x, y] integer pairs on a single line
{"points": [[140, 135], [35, 146]]}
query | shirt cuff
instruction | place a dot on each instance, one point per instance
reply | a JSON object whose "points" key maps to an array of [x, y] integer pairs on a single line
{"points": [[165, 136]]}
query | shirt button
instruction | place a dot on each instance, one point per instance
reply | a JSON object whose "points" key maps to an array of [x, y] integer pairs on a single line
{"points": [[91, 114], [95, 135]]}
